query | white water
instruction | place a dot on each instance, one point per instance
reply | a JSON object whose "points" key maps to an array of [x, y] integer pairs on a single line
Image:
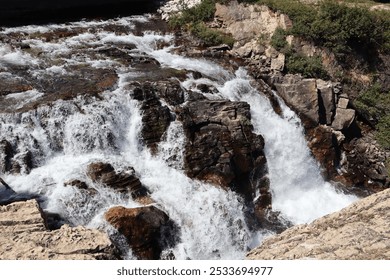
{"points": [[68, 135]]}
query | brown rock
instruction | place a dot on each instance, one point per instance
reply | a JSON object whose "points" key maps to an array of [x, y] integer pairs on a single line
{"points": [[324, 147], [358, 232], [25, 237], [125, 182], [12, 84], [148, 230]]}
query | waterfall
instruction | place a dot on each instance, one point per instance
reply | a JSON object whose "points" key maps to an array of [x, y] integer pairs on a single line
{"points": [[67, 135]]}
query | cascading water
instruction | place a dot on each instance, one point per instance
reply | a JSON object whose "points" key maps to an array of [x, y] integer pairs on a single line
{"points": [[65, 136]]}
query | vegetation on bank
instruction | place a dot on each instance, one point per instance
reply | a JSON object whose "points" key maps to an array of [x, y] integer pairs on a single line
{"points": [[194, 19], [346, 28], [375, 104], [341, 28], [296, 63]]}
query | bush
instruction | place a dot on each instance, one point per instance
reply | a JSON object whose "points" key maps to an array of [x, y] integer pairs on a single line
{"points": [[373, 103], [202, 12], [383, 131], [309, 67], [210, 37], [278, 39], [341, 28]]}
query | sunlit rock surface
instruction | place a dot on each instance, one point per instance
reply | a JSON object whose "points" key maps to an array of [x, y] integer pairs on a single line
{"points": [[24, 236], [360, 231]]}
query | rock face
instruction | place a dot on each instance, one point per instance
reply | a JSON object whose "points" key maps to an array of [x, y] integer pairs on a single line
{"points": [[221, 148], [24, 236], [360, 231], [155, 117], [247, 24], [302, 96], [148, 230]]}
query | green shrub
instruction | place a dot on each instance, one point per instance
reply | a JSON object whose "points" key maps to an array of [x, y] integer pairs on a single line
{"points": [[309, 67], [373, 103], [210, 37], [341, 28], [278, 39], [383, 131], [202, 12]]}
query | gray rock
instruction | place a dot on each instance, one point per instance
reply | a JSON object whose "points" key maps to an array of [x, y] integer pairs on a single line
{"points": [[327, 100], [278, 62], [301, 95], [343, 118], [343, 103]]}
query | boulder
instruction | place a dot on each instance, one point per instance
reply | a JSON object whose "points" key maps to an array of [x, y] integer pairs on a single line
{"points": [[343, 118], [148, 230], [24, 237], [301, 95], [326, 101], [124, 182], [221, 148], [358, 232], [278, 62]]}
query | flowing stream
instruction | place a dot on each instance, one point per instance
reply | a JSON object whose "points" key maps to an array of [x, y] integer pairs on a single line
{"points": [[66, 135]]}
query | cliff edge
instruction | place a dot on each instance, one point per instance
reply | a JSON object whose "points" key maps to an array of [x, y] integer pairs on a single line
{"points": [[25, 237], [360, 231]]}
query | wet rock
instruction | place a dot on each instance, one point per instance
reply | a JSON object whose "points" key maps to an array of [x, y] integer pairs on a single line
{"points": [[22, 163], [124, 182], [81, 80], [25, 237], [148, 230], [13, 84], [325, 149], [82, 186], [6, 153], [221, 148], [77, 183], [155, 117], [171, 92], [358, 232]]}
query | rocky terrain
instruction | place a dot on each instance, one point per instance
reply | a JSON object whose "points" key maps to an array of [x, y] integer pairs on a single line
{"points": [[24, 236], [358, 232], [90, 112]]}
